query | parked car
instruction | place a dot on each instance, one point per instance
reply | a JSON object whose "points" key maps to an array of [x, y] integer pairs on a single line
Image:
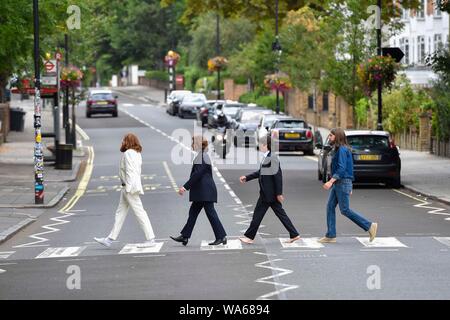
{"points": [[174, 99], [230, 109], [293, 135], [245, 125], [265, 122], [203, 112], [190, 104], [101, 101], [375, 158]]}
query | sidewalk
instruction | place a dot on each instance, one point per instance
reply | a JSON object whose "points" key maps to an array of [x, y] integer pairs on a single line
{"points": [[17, 173]]}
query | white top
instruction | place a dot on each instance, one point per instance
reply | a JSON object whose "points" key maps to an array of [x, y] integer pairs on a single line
{"points": [[130, 171]]}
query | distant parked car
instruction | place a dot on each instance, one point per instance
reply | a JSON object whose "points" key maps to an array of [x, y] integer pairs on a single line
{"points": [[190, 104], [101, 101], [265, 122], [375, 158], [246, 124], [203, 112], [230, 109], [174, 99], [293, 135]]}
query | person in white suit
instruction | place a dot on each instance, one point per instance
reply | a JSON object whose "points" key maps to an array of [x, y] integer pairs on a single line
{"points": [[130, 177]]}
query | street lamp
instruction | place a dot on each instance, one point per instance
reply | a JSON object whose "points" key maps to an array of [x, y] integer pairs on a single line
{"points": [[380, 82], [38, 153], [218, 53], [276, 47]]}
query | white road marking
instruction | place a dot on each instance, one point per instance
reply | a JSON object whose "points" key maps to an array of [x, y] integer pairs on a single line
{"points": [[382, 242], [443, 240], [127, 104], [61, 252], [231, 245], [132, 248], [6, 254], [379, 250], [424, 204], [171, 178], [8, 264], [311, 158], [301, 243], [150, 256], [82, 133], [2, 271]]}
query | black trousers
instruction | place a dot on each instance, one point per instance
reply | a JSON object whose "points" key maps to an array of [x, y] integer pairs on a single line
{"points": [[258, 214], [213, 218]]}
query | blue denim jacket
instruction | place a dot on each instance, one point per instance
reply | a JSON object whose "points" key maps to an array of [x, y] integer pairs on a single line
{"points": [[342, 164]]}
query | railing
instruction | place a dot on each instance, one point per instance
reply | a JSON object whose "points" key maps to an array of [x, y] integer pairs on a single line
{"points": [[440, 148], [407, 140]]}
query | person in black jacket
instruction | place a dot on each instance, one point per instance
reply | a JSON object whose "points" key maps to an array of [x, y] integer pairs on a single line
{"points": [[270, 180], [202, 194]]}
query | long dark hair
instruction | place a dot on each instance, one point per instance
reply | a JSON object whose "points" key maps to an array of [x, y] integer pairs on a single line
{"points": [[341, 138]]}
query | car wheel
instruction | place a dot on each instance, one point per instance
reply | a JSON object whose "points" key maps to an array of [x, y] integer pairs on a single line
{"points": [[310, 152], [88, 115], [235, 142], [395, 182], [180, 115], [115, 114]]}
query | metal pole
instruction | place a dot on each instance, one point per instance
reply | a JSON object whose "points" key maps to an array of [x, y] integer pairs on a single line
{"points": [[218, 53], [380, 83], [277, 110], [74, 133], [38, 153], [66, 93]]}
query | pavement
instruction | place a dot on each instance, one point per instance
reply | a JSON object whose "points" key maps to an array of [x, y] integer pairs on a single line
{"points": [[408, 260], [17, 173]]}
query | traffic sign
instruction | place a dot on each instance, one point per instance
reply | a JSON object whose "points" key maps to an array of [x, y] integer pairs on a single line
{"points": [[396, 53], [50, 66]]}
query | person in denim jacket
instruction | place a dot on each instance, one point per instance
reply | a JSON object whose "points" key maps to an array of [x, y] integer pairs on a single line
{"points": [[340, 186]]}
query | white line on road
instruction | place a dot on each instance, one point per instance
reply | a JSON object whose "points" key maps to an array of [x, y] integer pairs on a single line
{"points": [[2, 271], [424, 204], [171, 178], [60, 252], [6, 254], [8, 264], [150, 256]]}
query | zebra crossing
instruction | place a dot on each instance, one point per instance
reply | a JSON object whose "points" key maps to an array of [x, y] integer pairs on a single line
{"points": [[235, 244]]}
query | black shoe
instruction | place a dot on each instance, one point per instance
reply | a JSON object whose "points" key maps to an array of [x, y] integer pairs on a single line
{"points": [[219, 241], [180, 239]]}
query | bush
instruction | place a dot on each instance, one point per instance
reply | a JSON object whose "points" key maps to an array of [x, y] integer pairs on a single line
{"points": [[157, 75], [191, 76], [268, 101], [211, 84]]}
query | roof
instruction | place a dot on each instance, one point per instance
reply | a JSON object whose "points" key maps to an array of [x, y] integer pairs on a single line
{"points": [[366, 132]]}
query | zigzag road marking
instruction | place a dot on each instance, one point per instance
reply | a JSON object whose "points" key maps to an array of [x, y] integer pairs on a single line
{"points": [[424, 204], [271, 279], [60, 220]]}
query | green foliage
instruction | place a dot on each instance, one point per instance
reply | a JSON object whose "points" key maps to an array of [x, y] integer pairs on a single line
{"points": [[211, 84], [268, 101], [157, 75], [361, 113], [191, 76], [441, 110]]}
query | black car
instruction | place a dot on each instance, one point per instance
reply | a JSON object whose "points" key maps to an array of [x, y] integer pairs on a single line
{"points": [[174, 99], [230, 109], [375, 158], [293, 135], [246, 124], [190, 104], [101, 101], [205, 110]]}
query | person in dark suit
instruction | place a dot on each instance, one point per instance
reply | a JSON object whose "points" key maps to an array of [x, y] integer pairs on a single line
{"points": [[270, 180], [202, 194]]}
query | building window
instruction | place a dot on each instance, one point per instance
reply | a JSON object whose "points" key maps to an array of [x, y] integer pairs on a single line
{"points": [[421, 50], [437, 9], [404, 46], [311, 102], [438, 45], [421, 10], [325, 101], [405, 14]]}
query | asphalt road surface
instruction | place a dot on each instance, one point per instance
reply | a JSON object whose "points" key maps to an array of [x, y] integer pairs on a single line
{"points": [[56, 257]]}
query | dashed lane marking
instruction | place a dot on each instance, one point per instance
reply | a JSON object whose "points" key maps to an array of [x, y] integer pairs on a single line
{"points": [[6, 254], [132, 248], [62, 252], [301, 243], [2, 271], [231, 245], [443, 240], [382, 242]]}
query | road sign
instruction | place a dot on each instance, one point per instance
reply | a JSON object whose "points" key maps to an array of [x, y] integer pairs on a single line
{"points": [[50, 66], [50, 74], [396, 53]]}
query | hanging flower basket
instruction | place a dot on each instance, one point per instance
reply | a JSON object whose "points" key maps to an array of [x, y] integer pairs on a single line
{"points": [[217, 63], [172, 58], [278, 81], [71, 77], [377, 69]]}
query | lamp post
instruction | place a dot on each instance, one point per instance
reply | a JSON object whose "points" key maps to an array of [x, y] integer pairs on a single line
{"points": [[276, 47], [380, 82], [218, 53], [66, 93], [38, 153]]}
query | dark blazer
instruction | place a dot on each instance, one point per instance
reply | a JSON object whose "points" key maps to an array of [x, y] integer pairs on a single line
{"points": [[201, 184], [270, 178]]}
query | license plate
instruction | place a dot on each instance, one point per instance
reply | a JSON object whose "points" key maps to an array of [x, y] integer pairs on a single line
{"points": [[101, 102], [369, 157], [292, 135]]}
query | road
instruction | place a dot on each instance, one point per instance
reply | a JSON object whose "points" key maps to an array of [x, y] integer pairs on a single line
{"points": [[409, 261]]}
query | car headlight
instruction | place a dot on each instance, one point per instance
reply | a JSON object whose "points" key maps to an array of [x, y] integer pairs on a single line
{"points": [[219, 137]]}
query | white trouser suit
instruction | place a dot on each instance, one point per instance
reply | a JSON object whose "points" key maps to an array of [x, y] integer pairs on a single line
{"points": [[130, 176]]}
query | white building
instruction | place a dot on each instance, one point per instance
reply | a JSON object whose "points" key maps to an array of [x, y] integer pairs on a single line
{"points": [[425, 30]]}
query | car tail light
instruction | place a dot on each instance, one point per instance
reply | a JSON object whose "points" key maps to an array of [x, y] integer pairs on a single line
{"points": [[112, 101], [392, 144], [90, 102], [309, 134]]}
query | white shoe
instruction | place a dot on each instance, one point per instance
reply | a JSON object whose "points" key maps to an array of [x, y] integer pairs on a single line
{"points": [[147, 244], [104, 241]]}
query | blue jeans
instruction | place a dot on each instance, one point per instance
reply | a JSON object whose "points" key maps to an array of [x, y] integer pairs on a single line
{"points": [[340, 194]]}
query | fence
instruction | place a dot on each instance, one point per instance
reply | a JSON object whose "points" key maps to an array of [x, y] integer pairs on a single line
{"points": [[440, 148], [408, 140], [4, 121]]}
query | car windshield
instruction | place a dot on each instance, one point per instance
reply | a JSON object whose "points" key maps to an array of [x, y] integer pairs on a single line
{"points": [[250, 117], [232, 112], [102, 96], [290, 124], [371, 142], [192, 98], [180, 95]]}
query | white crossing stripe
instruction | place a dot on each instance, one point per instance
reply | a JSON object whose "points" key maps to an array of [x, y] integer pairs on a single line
{"points": [[443, 240], [127, 104], [2, 271], [6, 254], [382, 242], [231, 245], [309, 243], [61, 252], [132, 248]]}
